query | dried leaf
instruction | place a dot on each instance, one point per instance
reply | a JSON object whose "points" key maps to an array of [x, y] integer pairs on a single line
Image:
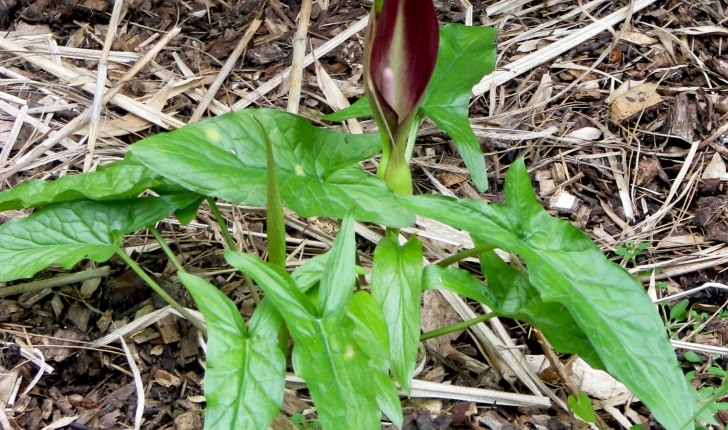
{"points": [[638, 38]]}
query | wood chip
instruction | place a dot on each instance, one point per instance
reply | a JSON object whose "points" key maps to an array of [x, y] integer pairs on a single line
{"points": [[188, 421], [166, 379], [716, 169], [634, 102], [437, 313], [168, 329], [79, 315]]}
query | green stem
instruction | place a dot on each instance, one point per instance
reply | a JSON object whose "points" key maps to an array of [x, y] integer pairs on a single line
{"points": [[159, 290], [361, 280], [167, 250], [465, 254], [457, 327], [251, 288], [56, 281], [223, 225], [283, 339], [231, 245]]}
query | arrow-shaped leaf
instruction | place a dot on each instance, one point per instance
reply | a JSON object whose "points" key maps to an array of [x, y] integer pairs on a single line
{"points": [[317, 169], [607, 303], [245, 375], [66, 233], [344, 381], [396, 286], [120, 180]]}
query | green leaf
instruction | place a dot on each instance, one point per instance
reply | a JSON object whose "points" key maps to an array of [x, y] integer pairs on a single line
{"points": [[120, 180], [309, 274], [607, 303], [372, 335], [466, 55], [245, 375], [372, 332], [68, 232], [186, 214], [338, 374], [326, 354], [317, 169], [338, 278], [583, 407], [679, 311], [520, 299], [510, 294], [278, 284], [360, 109], [692, 357], [397, 287]]}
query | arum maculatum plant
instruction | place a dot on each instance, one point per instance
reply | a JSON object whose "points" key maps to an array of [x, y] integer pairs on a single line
{"points": [[349, 346]]}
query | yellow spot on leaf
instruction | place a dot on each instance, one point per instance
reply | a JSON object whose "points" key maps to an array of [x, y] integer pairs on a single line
{"points": [[299, 170], [213, 135], [349, 353]]}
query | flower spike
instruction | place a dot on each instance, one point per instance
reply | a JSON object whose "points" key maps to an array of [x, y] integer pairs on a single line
{"points": [[402, 42]]}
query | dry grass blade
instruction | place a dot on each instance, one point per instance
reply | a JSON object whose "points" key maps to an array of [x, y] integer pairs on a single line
{"points": [[307, 61], [142, 323], [67, 75], [229, 64], [98, 102], [138, 384], [531, 61], [299, 51]]}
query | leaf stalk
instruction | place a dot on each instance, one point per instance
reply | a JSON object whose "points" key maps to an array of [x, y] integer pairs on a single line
{"points": [[159, 290]]}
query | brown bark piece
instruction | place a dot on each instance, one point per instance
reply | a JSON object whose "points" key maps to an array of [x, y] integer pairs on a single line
{"points": [[265, 54], [292, 404], [7, 308], [46, 408], [97, 5], [188, 421], [582, 217], [629, 105], [60, 401], [59, 354], [437, 313], [493, 420], [166, 379], [718, 232], [709, 208], [449, 179], [462, 413], [188, 347], [282, 422], [78, 315], [646, 171], [104, 321], [720, 65], [168, 329], [564, 202], [681, 121]]}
